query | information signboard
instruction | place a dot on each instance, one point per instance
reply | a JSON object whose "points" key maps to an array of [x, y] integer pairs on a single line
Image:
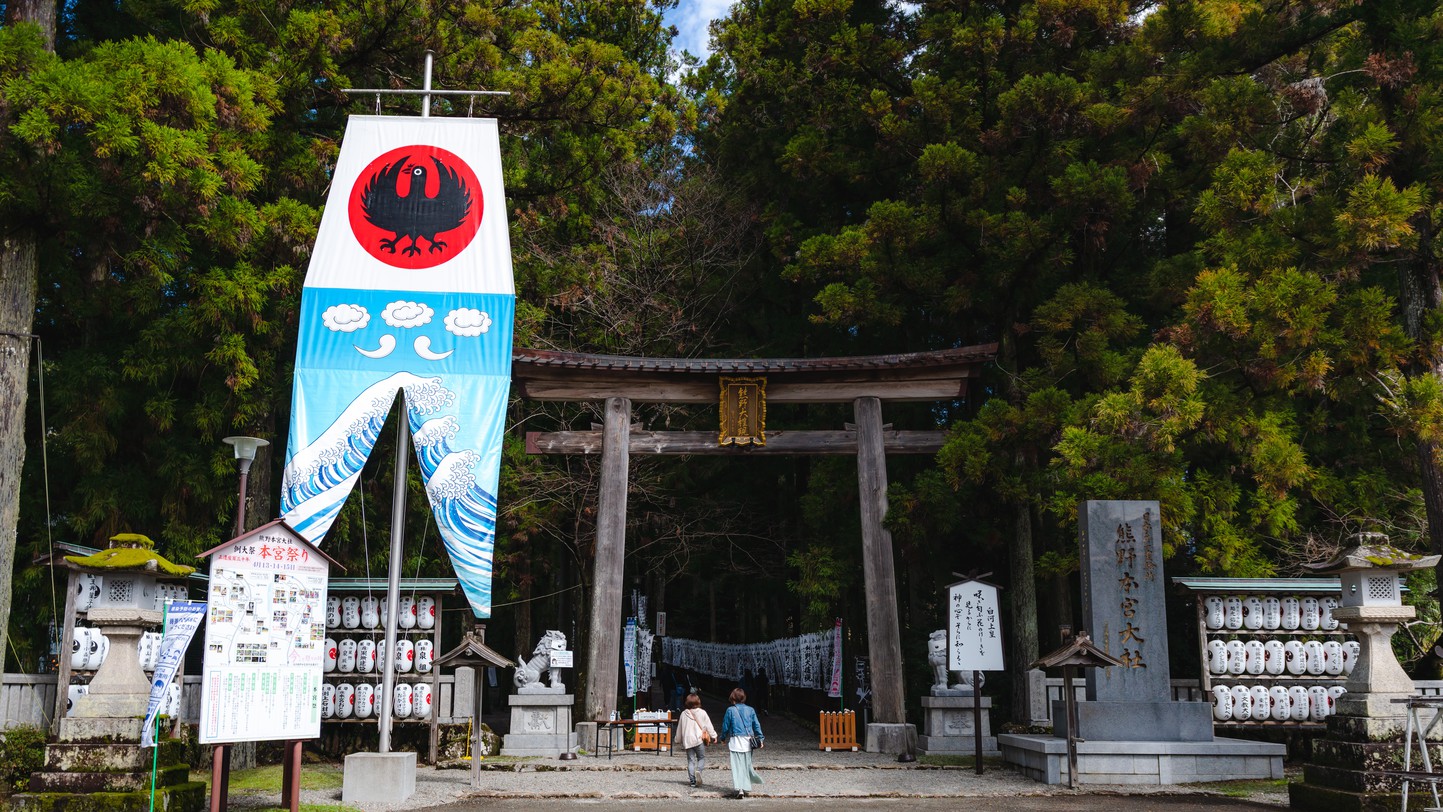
{"points": [[264, 640], [974, 631]]}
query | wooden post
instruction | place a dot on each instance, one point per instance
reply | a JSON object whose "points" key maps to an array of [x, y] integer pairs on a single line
{"points": [[976, 719], [291, 776], [220, 778], [1069, 703], [476, 730], [603, 646], [67, 639], [883, 632]]}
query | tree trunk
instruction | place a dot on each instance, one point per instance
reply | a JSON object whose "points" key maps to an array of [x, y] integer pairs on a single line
{"points": [[39, 12], [1023, 600], [17, 316]]}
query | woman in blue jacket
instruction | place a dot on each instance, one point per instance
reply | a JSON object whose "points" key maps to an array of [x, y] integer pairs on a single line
{"points": [[739, 727]]}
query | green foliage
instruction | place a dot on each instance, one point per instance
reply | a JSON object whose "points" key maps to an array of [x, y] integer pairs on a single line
{"points": [[22, 752]]}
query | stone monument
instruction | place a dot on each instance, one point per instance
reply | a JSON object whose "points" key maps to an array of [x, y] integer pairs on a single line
{"points": [[1129, 728], [948, 724], [1365, 735], [541, 712]]}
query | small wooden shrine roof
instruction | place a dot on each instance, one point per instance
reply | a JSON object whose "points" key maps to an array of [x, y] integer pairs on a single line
{"points": [[918, 376], [1079, 651]]}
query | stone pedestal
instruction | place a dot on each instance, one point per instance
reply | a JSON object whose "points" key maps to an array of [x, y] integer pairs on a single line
{"points": [[1044, 758], [387, 778], [1365, 735], [1143, 721], [90, 758], [540, 726], [883, 737], [949, 727]]}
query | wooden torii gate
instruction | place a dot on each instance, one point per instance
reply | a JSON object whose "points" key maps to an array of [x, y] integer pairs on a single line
{"points": [[865, 381]]}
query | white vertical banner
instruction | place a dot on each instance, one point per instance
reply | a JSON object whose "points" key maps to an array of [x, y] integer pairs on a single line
{"points": [[182, 618], [834, 685], [628, 654]]}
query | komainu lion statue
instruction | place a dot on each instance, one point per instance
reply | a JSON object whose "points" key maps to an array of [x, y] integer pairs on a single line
{"points": [[937, 658], [528, 674]]}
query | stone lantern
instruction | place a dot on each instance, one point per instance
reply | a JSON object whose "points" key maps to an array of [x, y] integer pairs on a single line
{"points": [[125, 607], [1372, 609]]}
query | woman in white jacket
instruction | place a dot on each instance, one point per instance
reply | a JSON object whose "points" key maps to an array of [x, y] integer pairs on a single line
{"points": [[695, 732]]}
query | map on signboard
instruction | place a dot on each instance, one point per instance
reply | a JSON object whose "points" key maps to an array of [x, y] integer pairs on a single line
{"points": [[264, 639]]}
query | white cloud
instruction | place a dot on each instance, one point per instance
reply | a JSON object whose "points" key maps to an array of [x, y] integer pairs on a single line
{"points": [[345, 318], [407, 314], [467, 321], [691, 18]]}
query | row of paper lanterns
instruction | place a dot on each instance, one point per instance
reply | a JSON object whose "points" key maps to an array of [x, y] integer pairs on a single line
{"points": [[88, 586], [169, 707], [1274, 657], [89, 647], [370, 613], [1258, 703], [1256, 613], [346, 700], [365, 656]]}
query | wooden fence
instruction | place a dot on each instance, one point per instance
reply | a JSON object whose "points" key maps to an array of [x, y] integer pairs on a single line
{"points": [[838, 731]]}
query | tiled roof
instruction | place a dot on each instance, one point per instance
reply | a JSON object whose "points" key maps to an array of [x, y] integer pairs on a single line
{"points": [[549, 359]]}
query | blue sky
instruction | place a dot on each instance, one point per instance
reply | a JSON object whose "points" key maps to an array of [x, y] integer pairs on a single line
{"points": [[690, 18]]}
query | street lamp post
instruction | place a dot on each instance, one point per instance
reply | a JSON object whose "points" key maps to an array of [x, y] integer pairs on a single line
{"points": [[245, 453]]}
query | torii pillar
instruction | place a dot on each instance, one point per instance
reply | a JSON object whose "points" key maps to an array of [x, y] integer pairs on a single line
{"points": [[603, 655], [890, 733]]}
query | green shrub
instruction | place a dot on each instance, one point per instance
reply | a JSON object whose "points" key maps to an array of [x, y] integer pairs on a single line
{"points": [[22, 752]]}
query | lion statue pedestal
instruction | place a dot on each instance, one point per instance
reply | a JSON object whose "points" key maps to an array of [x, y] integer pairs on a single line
{"points": [[540, 712], [947, 728]]}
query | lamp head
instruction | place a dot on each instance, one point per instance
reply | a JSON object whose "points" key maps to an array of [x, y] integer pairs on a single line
{"points": [[245, 447]]}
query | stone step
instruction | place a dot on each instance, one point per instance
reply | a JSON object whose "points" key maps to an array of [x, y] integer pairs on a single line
{"points": [[100, 782], [185, 797], [79, 757]]}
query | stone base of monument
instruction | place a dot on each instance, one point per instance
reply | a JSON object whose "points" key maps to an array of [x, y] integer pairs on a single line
{"points": [[884, 737], [540, 726], [948, 726], [80, 766], [1124, 721], [386, 778], [1345, 767], [1044, 758]]}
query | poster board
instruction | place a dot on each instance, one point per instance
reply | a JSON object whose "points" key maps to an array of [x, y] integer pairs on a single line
{"points": [[974, 630], [264, 639]]}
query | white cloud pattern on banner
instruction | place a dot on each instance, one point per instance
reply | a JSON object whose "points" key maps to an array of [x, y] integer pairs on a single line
{"points": [[345, 318], [407, 314], [467, 321]]}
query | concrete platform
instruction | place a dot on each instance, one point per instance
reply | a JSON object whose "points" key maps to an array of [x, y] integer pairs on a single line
{"points": [[1044, 758]]}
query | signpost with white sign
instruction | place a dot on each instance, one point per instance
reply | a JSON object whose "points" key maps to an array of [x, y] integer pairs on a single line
{"points": [[264, 642], [974, 638]]}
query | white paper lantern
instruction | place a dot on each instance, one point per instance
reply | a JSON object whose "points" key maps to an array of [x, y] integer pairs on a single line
{"points": [[1237, 661], [1279, 705], [1350, 655], [1213, 612], [80, 648], [425, 653], [1312, 615], [1327, 622], [331, 656], [1272, 613], [1217, 657], [1274, 660], [1297, 659], [1292, 613], [1222, 703], [426, 613], [406, 617], [1252, 612], [365, 656], [1317, 703], [1314, 651], [328, 700], [1262, 702], [370, 612], [333, 612], [1255, 654], [421, 701], [405, 657], [365, 700], [1333, 658], [402, 702], [1298, 696], [1242, 703], [345, 700], [1233, 618], [346, 659]]}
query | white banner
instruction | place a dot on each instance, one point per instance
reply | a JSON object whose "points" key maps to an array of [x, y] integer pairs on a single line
{"points": [[182, 618], [834, 688], [628, 654]]}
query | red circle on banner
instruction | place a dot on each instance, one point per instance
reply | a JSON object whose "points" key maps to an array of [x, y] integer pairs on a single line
{"points": [[415, 207]]}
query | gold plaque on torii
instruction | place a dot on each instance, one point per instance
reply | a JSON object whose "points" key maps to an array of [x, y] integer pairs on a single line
{"points": [[743, 411]]}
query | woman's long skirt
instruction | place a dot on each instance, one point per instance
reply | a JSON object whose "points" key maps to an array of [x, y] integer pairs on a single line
{"points": [[743, 773]]}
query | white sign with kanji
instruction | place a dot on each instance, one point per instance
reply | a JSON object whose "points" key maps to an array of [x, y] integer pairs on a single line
{"points": [[264, 642], [974, 627]]}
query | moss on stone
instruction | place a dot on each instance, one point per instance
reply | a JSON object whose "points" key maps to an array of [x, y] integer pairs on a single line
{"points": [[129, 559]]}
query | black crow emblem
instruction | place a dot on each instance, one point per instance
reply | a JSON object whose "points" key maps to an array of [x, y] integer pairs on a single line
{"points": [[415, 216]]}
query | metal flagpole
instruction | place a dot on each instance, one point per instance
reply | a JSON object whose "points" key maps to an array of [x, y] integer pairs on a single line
{"points": [[393, 577]]}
